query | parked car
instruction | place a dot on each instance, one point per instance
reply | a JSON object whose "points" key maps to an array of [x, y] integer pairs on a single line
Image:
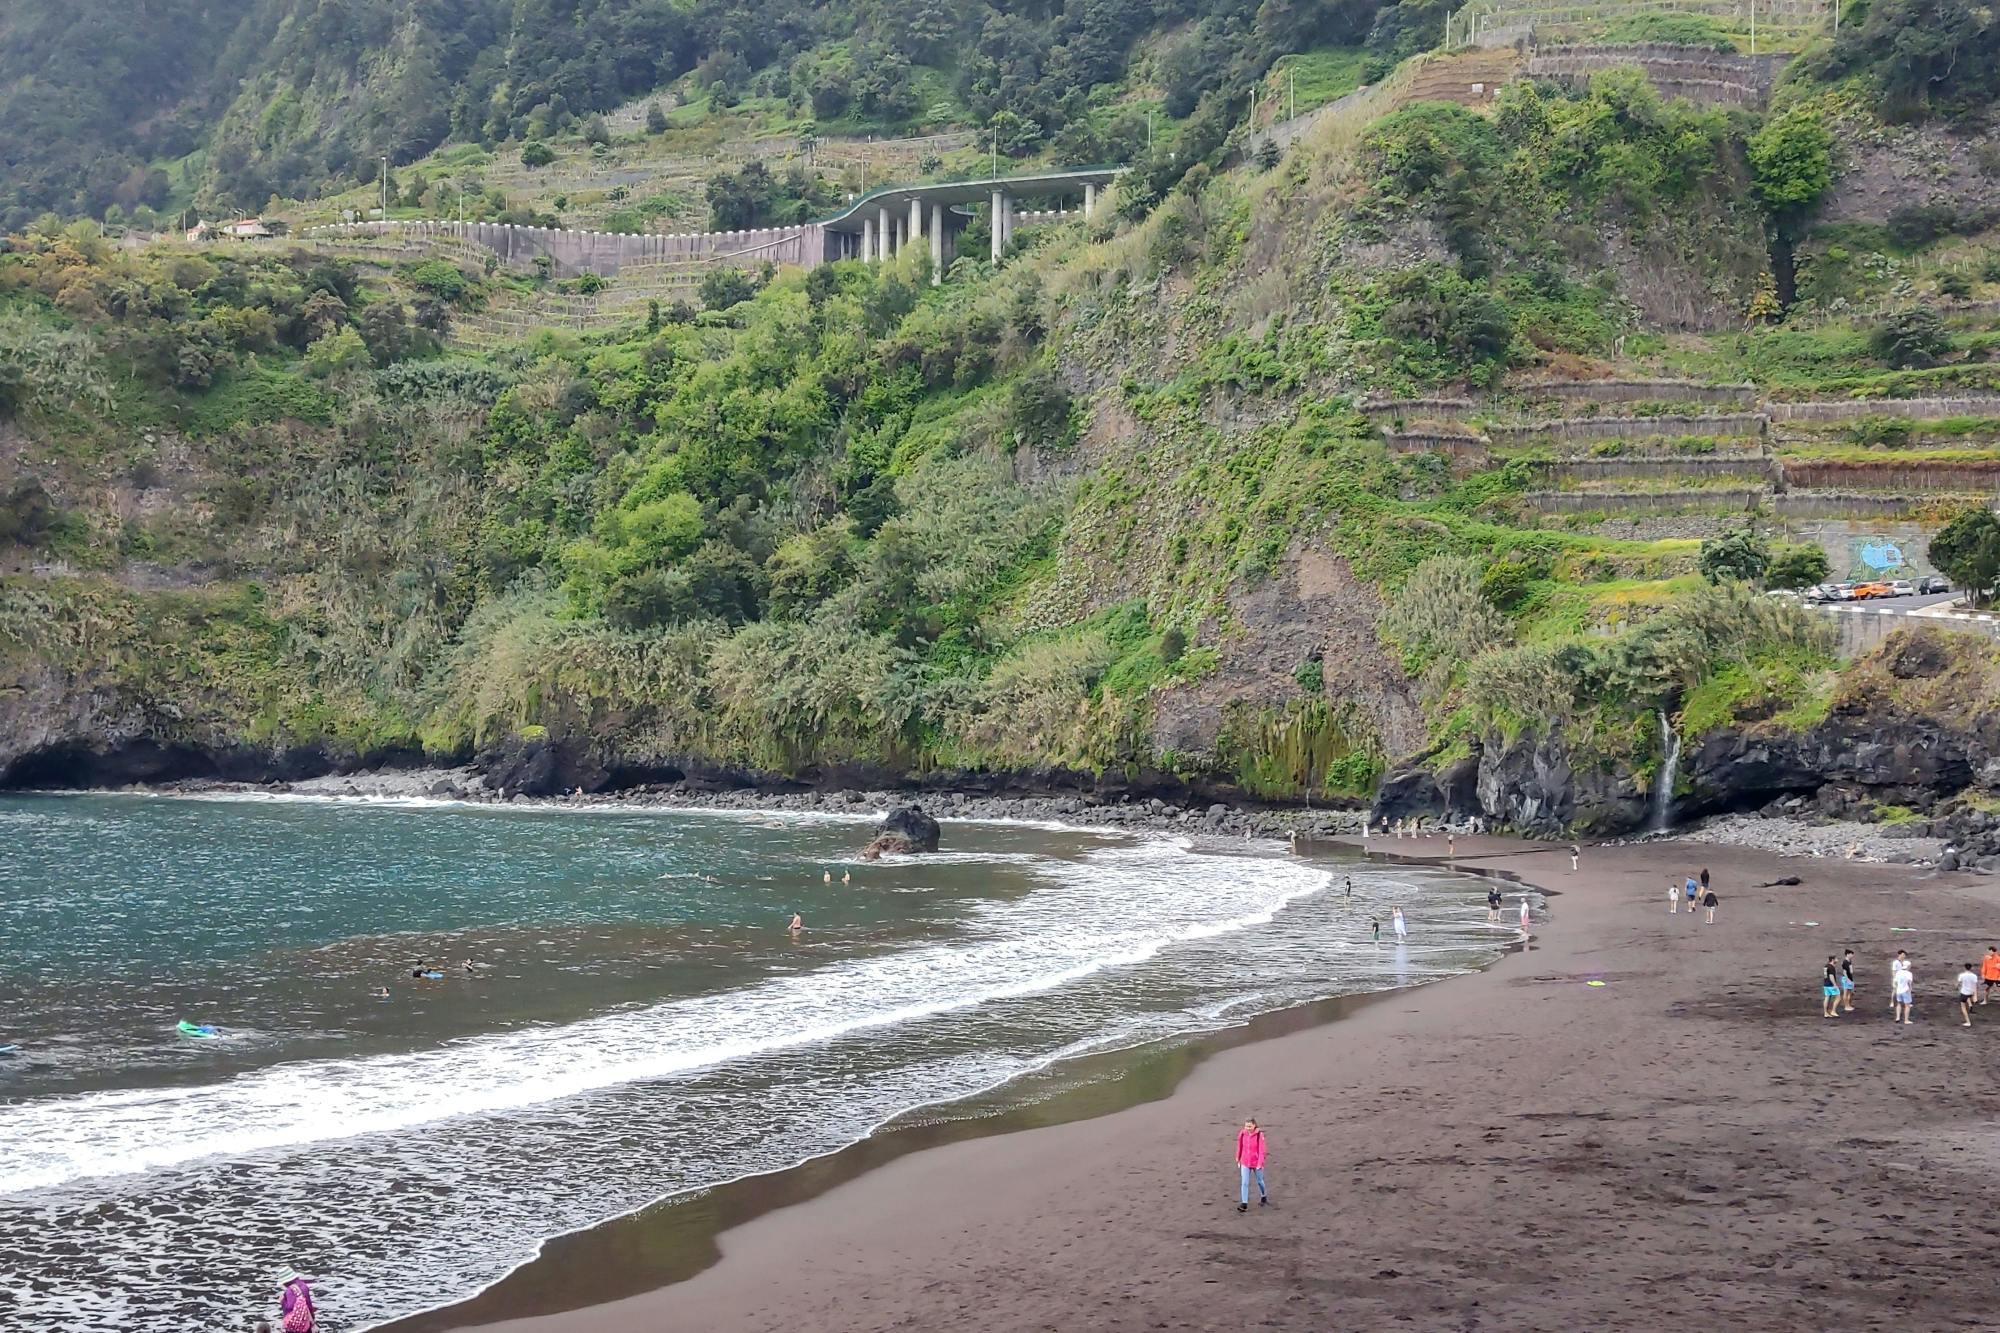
{"points": [[1902, 588], [1821, 592], [1843, 592], [1785, 594], [1865, 591], [1931, 583]]}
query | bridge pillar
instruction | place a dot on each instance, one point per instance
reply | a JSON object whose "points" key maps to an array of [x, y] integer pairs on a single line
{"points": [[1089, 199], [868, 240], [916, 219], [999, 224], [888, 225], [937, 242]]}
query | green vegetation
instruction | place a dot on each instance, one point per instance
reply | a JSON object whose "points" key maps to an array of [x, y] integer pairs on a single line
{"points": [[1968, 550]]}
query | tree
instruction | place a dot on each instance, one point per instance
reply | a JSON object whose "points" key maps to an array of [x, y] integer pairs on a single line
{"points": [[1741, 556], [1910, 338], [1968, 550], [1791, 159], [656, 119], [724, 287], [535, 153], [1796, 567], [385, 327], [596, 131]]}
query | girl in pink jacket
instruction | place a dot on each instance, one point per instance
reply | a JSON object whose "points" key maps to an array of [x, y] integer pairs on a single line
{"points": [[1250, 1160]]}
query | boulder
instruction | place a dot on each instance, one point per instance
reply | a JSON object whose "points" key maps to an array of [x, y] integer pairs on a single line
{"points": [[906, 831]]}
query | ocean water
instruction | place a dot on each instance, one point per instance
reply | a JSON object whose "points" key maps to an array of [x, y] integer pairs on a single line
{"points": [[637, 1020]]}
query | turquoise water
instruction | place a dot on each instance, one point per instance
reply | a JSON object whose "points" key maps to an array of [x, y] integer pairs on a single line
{"points": [[637, 1021]]}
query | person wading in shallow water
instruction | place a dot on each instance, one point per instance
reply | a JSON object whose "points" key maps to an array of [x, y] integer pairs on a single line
{"points": [[1493, 905], [1250, 1162]]}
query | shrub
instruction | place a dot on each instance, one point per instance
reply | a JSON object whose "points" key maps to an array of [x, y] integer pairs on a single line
{"points": [[656, 119], [1797, 567], [1440, 619], [337, 353], [1910, 338], [1039, 410], [723, 287], [535, 153], [442, 280], [1741, 555]]}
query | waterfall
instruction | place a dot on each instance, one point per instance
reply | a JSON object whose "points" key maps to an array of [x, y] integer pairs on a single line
{"points": [[1663, 784]]}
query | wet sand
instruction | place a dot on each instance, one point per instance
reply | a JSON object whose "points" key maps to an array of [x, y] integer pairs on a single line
{"points": [[1515, 1149]]}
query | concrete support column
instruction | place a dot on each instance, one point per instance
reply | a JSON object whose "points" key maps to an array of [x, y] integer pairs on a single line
{"points": [[1089, 199], [999, 223], [868, 254], [937, 243], [1007, 219], [916, 219], [888, 232]]}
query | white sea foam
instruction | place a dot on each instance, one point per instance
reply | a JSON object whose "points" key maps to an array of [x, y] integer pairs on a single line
{"points": [[1115, 907]]}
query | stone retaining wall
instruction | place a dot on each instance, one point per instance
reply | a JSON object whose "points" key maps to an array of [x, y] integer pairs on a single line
{"points": [[1643, 391], [1907, 409], [1631, 428]]}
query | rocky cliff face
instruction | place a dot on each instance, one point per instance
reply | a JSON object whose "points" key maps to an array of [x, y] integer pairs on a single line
{"points": [[1912, 727]]}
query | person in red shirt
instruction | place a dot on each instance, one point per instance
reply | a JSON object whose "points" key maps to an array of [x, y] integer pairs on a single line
{"points": [[1989, 973], [1250, 1161]]}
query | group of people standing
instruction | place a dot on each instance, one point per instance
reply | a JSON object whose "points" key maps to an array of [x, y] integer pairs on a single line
{"points": [[1696, 892], [1975, 986]]}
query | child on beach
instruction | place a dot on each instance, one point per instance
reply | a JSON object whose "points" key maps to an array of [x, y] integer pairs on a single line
{"points": [[1847, 982], [1493, 906], [1249, 1162], [1903, 987], [1375, 930], [1575, 852], [1829, 990], [1524, 914], [1396, 922], [1968, 987], [1673, 898], [1693, 891]]}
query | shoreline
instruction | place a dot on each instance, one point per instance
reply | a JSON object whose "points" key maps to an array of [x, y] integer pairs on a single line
{"points": [[1081, 1223], [677, 1235]]}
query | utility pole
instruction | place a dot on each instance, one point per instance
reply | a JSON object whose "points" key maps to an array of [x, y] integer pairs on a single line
{"points": [[1753, 27], [1292, 83], [1149, 129], [385, 187], [996, 154]]}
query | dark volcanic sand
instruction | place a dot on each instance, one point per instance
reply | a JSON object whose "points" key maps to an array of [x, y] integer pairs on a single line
{"points": [[1689, 1145]]}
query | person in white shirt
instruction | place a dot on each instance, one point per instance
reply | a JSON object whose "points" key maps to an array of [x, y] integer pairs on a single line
{"points": [[1902, 987], [1968, 988], [1402, 928], [1674, 896]]}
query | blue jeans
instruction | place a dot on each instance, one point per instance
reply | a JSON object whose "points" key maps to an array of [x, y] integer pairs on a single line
{"points": [[1249, 1171]]}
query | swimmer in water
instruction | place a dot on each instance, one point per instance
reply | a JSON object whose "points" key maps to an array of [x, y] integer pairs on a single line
{"points": [[826, 877], [380, 992], [470, 967], [798, 924], [845, 876]]}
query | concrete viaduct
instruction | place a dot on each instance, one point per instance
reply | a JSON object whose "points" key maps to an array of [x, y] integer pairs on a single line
{"points": [[875, 227]]}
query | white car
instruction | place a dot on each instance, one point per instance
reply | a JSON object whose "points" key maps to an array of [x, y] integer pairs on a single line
{"points": [[1902, 588]]}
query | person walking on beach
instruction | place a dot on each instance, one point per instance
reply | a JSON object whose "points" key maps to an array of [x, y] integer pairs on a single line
{"points": [[1989, 973], [1693, 891], [1704, 881], [296, 1311], [1375, 930], [1524, 914], [1493, 905], [1710, 902], [1674, 897], [1829, 990], [1847, 982], [1249, 1162], [1350, 886], [1575, 854], [1903, 986], [1397, 923], [1968, 988], [1451, 843]]}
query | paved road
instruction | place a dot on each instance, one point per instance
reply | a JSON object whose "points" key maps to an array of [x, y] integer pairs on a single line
{"points": [[1891, 606]]}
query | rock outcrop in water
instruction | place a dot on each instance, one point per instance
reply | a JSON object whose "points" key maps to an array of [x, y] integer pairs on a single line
{"points": [[906, 830]]}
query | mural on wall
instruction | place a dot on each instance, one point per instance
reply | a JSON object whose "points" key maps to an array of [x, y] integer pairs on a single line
{"points": [[1879, 556]]}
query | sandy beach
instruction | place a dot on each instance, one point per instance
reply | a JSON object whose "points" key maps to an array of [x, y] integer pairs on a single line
{"points": [[1516, 1149]]}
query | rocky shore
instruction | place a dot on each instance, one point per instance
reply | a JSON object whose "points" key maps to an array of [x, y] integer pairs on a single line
{"points": [[1136, 813]]}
